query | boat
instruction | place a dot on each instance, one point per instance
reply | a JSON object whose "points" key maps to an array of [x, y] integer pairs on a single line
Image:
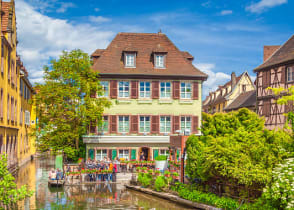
{"points": [[56, 183]]}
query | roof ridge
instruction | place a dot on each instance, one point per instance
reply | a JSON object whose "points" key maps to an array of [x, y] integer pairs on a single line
{"points": [[135, 33], [281, 46]]}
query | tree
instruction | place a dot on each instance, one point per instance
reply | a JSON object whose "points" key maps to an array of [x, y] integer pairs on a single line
{"points": [[9, 194], [66, 104], [235, 146]]}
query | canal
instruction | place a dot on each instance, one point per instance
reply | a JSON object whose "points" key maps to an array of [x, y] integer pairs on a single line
{"points": [[94, 196]]}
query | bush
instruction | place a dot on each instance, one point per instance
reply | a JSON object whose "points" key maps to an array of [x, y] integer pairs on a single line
{"points": [[235, 146], [280, 192], [161, 157], [145, 179], [160, 183]]}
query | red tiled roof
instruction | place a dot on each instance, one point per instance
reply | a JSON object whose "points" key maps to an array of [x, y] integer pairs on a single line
{"points": [[98, 52], [5, 15], [284, 54], [145, 44]]}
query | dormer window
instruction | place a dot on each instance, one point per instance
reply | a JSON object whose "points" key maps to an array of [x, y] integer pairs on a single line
{"points": [[159, 61], [130, 60]]}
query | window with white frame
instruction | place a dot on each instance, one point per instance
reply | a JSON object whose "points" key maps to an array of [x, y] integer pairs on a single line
{"points": [[123, 153], [144, 124], [105, 88], [27, 117], [165, 90], [186, 90], [165, 124], [100, 154], [124, 89], [123, 124], [164, 152], [186, 124], [130, 60], [290, 74], [145, 89], [159, 61]]}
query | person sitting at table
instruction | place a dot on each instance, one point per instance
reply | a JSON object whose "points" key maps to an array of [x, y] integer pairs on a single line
{"points": [[59, 174]]}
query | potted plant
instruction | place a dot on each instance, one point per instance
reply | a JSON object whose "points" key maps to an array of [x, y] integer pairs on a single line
{"points": [[175, 175], [157, 173], [167, 173], [145, 169], [161, 162], [150, 171]]}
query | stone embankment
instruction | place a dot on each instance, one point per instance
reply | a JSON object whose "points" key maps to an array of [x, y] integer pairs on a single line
{"points": [[172, 197]]}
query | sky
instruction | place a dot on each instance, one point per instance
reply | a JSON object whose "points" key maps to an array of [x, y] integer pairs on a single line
{"points": [[224, 36]]}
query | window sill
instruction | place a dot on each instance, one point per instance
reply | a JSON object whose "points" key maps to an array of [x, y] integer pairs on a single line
{"points": [[186, 101], [144, 101], [123, 101], [165, 101]]}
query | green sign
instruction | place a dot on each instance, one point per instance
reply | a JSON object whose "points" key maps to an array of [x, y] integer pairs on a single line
{"points": [[58, 162]]}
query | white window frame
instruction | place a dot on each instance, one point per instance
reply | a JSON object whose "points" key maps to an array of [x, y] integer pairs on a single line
{"points": [[165, 92], [160, 64], [165, 124], [185, 90], [185, 122], [124, 125], [130, 65], [101, 154], [164, 152], [146, 124], [125, 154], [145, 92], [290, 73], [125, 93], [105, 88]]}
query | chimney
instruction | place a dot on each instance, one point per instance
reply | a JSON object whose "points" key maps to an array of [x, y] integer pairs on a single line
{"points": [[268, 51], [233, 80]]}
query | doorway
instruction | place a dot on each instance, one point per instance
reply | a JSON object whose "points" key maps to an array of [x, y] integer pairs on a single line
{"points": [[146, 152]]}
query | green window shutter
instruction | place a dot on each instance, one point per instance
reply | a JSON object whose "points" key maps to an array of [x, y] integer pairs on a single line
{"points": [[91, 154], [155, 153], [133, 154], [114, 154], [178, 153]]}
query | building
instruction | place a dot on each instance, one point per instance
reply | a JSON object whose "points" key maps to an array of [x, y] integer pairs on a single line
{"points": [[277, 70], [155, 92], [235, 94], [15, 91]]}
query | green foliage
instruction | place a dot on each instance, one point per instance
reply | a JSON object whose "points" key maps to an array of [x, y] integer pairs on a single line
{"points": [[237, 147], [64, 105], [160, 183], [145, 179], [189, 193], [280, 192], [161, 157], [9, 194]]}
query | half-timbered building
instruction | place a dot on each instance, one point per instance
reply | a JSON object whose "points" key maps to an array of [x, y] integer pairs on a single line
{"points": [[277, 70], [155, 92]]}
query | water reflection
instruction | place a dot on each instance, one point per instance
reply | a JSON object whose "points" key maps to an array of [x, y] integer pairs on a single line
{"points": [[91, 196]]}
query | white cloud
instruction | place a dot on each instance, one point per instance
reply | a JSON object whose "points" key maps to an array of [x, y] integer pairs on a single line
{"points": [[99, 19], [226, 12], [264, 4], [42, 38], [96, 9], [214, 78], [64, 6]]}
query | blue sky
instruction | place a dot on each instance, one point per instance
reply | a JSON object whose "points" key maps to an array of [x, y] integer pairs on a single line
{"points": [[223, 36]]}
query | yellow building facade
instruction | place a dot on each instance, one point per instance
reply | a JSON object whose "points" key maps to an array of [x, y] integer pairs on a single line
{"points": [[15, 93], [237, 93]]}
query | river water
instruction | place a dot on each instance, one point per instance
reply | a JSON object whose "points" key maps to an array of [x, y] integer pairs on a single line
{"points": [[94, 196]]}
